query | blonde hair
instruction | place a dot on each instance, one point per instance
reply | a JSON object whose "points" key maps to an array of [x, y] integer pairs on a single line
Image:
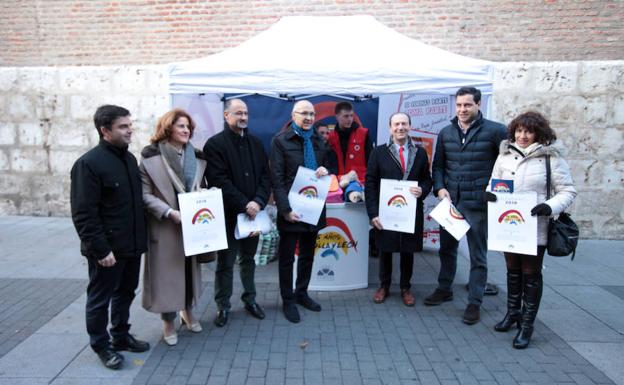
{"points": [[166, 122]]}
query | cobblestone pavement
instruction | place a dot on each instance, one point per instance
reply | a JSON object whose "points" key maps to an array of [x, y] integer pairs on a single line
{"points": [[354, 341], [28, 304]]}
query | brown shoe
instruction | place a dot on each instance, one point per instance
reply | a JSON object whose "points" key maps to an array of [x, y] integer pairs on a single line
{"points": [[380, 295], [408, 297]]}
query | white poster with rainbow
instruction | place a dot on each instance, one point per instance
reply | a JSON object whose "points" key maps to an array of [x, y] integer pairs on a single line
{"points": [[397, 205], [307, 195], [511, 228], [203, 221]]}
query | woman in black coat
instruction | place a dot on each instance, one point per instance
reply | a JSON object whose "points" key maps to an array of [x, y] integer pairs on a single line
{"points": [[390, 161], [298, 145]]}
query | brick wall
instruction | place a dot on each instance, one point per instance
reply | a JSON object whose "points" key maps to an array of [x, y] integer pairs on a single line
{"points": [[96, 32]]}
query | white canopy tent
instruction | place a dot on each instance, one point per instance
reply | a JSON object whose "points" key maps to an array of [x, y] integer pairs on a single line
{"points": [[332, 55]]}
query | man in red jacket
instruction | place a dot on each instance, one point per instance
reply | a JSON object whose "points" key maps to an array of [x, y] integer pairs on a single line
{"points": [[350, 142]]}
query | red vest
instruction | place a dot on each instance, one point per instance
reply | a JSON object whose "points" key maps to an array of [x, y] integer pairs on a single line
{"points": [[356, 156]]}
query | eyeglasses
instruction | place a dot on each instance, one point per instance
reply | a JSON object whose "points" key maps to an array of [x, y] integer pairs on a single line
{"points": [[306, 114]]}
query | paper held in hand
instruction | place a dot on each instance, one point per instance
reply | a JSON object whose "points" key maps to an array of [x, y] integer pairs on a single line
{"points": [[450, 218], [397, 205], [245, 226], [307, 195], [511, 227], [203, 221]]}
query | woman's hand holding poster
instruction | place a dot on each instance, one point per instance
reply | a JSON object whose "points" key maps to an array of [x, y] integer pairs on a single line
{"points": [[511, 228]]}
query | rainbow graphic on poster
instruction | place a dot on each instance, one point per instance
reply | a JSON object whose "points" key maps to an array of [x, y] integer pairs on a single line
{"points": [[332, 243], [456, 214], [397, 201], [511, 217], [309, 192], [203, 216], [502, 185]]}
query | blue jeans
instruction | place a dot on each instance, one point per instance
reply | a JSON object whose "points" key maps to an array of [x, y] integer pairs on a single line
{"points": [[477, 245]]}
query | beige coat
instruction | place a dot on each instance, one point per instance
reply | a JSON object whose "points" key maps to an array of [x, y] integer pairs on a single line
{"points": [[163, 273]]}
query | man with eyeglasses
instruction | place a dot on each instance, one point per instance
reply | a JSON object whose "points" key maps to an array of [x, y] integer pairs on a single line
{"points": [[238, 165], [297, 145]]}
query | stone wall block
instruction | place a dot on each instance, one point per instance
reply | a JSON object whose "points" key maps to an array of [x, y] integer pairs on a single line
{"points": [[12, 184], [596, 111], [37, 79], [567, 109], [585, 172], [600, 76], [7, 133], [8, 207], [85, 80], [5, 163], [61, 161], [32, 133], [555, 77], [21, 107], [52, 106], [157, 79], [28, 159], [82, 107], [618, 110], [129, 80], [512, 76], [151, 107], [613, 175], [8, 78], [70, 135]]}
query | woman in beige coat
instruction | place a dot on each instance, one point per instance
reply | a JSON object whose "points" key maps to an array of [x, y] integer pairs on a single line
{"points": [[170, 165]]}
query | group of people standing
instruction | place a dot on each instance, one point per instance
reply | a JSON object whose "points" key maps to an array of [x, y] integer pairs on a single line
{"points": [[122, 209]]}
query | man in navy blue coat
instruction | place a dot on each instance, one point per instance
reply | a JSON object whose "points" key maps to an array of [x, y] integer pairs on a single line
{"points": [[465, 154]]}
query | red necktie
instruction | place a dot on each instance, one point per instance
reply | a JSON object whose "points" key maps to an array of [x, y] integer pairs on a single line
{"points": [[402, 159]]}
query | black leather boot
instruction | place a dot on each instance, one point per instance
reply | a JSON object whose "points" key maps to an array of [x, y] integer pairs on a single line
{"points": [[532, 297], [514, 302]]}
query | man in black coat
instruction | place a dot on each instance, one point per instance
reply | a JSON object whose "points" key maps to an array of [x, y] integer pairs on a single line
{"points": [[297, 145], [107, 211], [465, 154], [399, 159], [238, 166]]}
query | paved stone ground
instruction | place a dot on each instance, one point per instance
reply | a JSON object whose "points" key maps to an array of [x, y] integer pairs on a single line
{"points": [[354, 341], [579, 335], [28, 304]]}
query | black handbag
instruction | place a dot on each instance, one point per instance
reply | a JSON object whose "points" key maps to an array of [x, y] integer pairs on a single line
{"points": [[563, 233]]}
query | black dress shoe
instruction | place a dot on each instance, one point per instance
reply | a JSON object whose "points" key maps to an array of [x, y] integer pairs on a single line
{"points": [[291, 312], [130, 344], [308, 303], [255, 310], [222, 318], [110, 358]]}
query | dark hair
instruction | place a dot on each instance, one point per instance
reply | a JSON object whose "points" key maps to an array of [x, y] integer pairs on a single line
{"points": [[409, 120], [320, 124], [535, 123], [229, 102], [476, 94], [106, 115], [342, 106], [166, 122]]}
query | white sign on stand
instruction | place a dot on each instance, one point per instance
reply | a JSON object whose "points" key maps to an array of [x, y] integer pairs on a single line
{"points": [[203, 221], [511, 228], [341, 253]]}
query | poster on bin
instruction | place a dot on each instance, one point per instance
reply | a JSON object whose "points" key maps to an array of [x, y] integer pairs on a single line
{"points": [[203, 221], [511, 228]]}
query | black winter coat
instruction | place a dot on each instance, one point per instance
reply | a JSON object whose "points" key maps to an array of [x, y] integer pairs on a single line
{"points": [[465, 169], [285, 158], [225, 171], [107, 203], [382, 164]]}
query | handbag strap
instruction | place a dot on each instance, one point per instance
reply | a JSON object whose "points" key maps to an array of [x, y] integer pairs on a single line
{"points": [[547, 176]]}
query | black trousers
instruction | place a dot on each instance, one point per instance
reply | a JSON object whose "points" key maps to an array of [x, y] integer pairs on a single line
{"points": [[385, 270], [286, 255], [115, 287]]}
